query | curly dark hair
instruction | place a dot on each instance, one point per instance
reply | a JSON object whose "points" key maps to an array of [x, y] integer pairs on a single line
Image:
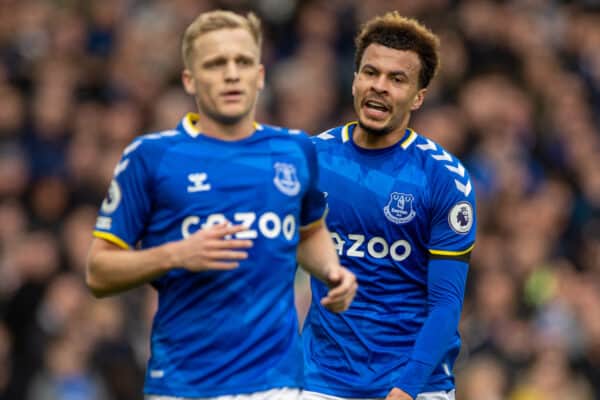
{"points": [[398, 32]]}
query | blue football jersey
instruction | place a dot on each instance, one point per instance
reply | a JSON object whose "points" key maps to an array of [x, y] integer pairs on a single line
{"points": [[219, 332], [391, 210]]}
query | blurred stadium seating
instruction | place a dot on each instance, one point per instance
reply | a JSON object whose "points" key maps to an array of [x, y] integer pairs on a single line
{"points": [[517, 99]]}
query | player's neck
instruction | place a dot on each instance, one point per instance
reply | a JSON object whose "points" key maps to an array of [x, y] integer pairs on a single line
{"points": [[368, 140], [242, 129]]}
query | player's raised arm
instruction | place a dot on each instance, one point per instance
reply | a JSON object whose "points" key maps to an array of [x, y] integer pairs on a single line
{"points": [[316, 254], [112, 269]]}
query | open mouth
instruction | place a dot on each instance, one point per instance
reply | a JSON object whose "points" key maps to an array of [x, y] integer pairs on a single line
{"points": [[232, 95], [376, 105], [375, 109]]}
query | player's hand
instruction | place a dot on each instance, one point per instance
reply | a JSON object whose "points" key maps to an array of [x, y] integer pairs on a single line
{"points": [[398, 394], [342, 288], [210, 248]]}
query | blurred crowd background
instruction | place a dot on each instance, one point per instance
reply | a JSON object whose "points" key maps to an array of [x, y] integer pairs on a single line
{"points": [[517, 100]]}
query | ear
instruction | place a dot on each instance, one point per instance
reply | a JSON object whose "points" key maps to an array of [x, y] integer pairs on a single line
{"points": [[353, 83], [261, 77], [188, 82], [418, 100]]}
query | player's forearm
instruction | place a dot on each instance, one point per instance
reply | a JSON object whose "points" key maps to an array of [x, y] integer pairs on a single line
{"points": [[446, 286], [430, 347], [316, 253], [112, 270]]}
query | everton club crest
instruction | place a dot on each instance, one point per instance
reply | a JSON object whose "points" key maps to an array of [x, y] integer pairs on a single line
{"points": [[286, 179], [399, 208]]}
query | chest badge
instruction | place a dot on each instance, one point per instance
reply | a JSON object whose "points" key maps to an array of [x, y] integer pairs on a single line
{"points": [[286, 179], [399, 208]]}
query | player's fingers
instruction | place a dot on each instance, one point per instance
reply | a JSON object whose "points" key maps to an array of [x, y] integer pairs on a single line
{"points": [[210, 233], [215, 230], [222, 229], [337, 305], [208, 244], [345, 286], [224, 265], [331, 302], [233, 229], [338, 291], [227, 255], [333, 306], [236, 244], [339, 299], [326, 301], [220, 244]]}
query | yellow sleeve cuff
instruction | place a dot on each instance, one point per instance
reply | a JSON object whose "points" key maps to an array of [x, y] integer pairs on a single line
{"points": [[109, 237]]}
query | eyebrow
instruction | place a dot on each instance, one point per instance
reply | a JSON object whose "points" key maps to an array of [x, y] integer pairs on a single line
{"points": [[244, 57], [399, 73], [392, 73], [222, 59], [214, 60]]}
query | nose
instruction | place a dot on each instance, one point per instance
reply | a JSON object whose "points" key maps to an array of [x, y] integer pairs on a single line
{"points": [[379, 84], [231, 72]]}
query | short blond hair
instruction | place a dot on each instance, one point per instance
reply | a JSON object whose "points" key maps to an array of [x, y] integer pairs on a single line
{"points": [[401, 33], [216, 20]]}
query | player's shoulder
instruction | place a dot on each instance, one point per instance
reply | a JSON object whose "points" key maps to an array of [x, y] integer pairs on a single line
{"points": [[330, 137], [281, 131], [297, 136], [438, 163], [150, 143]]}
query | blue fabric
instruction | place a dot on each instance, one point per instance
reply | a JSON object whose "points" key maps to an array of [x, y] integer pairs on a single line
{"points": [[219, 332], [446, 289], [403, 220]]}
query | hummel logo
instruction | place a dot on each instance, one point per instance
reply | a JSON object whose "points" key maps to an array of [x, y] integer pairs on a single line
{"points": [[198, 184]]}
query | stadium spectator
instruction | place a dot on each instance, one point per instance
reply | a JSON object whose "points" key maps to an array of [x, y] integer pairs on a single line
{"points": [[542, 54]]}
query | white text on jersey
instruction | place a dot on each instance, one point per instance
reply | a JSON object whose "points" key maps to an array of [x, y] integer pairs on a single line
{"points": [[270, 225], [376, 247]]}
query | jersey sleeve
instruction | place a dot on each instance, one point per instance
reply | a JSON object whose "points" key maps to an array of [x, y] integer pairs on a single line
{"points": [[446, 280], [124, 212], [313, 203], [453, 227], [453, 214]]}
